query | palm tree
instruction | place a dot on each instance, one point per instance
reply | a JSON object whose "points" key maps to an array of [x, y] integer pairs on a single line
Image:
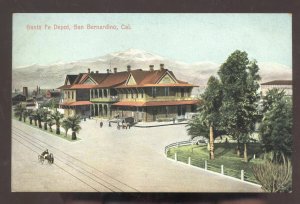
{"points": [[30, 112], [34, 117], [25, 115], [66, 124], [75, 127], [50, 122], [39, 115], [19, 109], [45, 117], [57, 116]]}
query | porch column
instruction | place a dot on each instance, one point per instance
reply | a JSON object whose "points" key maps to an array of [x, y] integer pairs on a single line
{"points": [[98, 92], [102, 93], [90, 93], [108, 93], [94, 113], [108, 111]]}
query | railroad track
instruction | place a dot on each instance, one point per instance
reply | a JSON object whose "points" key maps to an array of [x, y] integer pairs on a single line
{"points": [[97, 180]]}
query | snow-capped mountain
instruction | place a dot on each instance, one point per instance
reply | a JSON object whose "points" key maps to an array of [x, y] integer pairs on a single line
{"points": [[53, 75]]}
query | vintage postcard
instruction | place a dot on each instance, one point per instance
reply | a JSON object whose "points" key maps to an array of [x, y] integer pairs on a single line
{"points": [[151, 102]]}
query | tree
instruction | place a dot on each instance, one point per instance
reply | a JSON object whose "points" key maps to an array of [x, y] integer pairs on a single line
{"points": [[75, 127], [18, 110], [57, 116], [277, 122], [25, 115], [50, 123], [239, 78], [38, 116], [30, 112], [209, 108], [196, 127], [66, 124], [45, 113]]}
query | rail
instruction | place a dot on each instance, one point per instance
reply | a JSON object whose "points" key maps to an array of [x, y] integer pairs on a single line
{"points": [[205, 164]]}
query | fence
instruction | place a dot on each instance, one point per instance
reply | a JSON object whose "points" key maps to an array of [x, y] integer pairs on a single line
{"points": [[205, 164]]}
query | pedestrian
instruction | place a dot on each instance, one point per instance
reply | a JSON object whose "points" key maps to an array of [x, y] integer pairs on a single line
{"points": [[109, 124], [173, 120], [101, 124]]}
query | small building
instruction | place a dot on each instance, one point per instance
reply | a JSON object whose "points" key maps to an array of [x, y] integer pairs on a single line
{"points": [[18, 98], [285, 85], [52, 93]]}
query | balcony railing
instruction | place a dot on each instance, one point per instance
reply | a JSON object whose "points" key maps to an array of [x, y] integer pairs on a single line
{"points": [[105, 99]]}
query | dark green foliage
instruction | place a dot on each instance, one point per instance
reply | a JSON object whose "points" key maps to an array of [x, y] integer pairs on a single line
{"points": [[57, 116], [75, 127], [39, 116], [276, 126], [45, 114], [72, 123], [239, 78], [66, 125], [18, 111], [209, 114], [197, 127]]}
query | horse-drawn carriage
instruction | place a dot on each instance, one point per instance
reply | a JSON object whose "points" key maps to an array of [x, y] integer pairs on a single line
{"points": [[46, 156]]}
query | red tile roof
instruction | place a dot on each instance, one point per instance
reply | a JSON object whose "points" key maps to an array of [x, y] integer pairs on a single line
{"points": [[64, 87], [158, 85], [156, 103], [278, 82], [83, 86], [142, 78], [76, 103]]}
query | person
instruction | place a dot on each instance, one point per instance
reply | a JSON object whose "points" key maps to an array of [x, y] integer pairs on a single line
{"points": [[109, 124], [173, 120], [45, 153], [101, 124]]}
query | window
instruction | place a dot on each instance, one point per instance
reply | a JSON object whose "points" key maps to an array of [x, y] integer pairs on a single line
{"points": [[153, 92], [68, 94], [72, 95], [142, 93], [131, 93], [167, 91], [126, 94]]}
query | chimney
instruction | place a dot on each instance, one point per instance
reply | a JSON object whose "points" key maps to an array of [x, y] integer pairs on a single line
{"points": [[97, 72], [37, 89], [89, 70], [115, 70], [151, 68], [25, 91], [107, 70], [162, 67], [128, 68]]}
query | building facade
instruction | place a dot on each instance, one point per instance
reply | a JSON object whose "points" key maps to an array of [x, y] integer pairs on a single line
{"points": [[145, 95], [285, 85]]}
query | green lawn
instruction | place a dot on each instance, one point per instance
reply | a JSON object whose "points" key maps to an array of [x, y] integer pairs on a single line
{"points": [[225, 155], [62, 133]]}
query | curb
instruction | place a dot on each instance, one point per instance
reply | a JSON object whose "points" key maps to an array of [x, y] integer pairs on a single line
{"points": [[149, 126], [213, 172]]}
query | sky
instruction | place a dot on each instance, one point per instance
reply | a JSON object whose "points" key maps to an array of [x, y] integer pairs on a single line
{"points": [[189, 38]]}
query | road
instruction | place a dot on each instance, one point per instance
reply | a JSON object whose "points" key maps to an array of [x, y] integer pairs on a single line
{"points": [[110, 160]]}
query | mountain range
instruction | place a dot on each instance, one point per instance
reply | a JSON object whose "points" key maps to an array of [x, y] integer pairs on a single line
{"points": [[52, 76]]}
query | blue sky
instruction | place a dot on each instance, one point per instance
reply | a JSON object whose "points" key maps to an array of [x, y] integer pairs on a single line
{"points": [[183, 37]]}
